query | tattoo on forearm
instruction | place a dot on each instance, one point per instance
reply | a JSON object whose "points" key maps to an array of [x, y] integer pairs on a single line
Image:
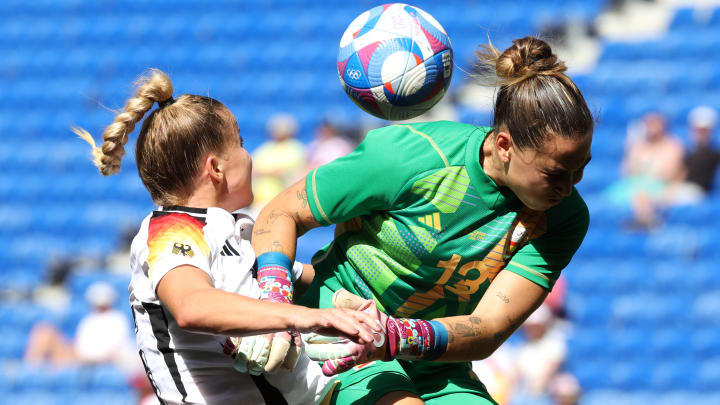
{"points": [[258, 232], [276, 246], [274, 215], [476, 320], [302, 196], [503, 297], [463, 329]]}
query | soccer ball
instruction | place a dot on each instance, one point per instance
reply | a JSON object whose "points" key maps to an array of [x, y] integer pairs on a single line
{"points": [[395, 61]]}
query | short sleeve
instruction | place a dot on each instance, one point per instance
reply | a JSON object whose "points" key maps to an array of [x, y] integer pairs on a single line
{"points": [[368, 179], [542, 259], [175, 239]]}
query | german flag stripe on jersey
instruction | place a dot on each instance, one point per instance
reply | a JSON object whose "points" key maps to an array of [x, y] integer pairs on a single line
{"points": [[175, 234]]}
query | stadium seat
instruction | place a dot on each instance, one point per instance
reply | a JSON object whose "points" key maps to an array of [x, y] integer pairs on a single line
{"points": [[108, 377], [631, 375], [708, 375], [14, 342], [673, 376]]}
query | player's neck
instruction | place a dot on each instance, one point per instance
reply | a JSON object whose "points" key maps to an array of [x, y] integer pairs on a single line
{"points": [[491, 165]]}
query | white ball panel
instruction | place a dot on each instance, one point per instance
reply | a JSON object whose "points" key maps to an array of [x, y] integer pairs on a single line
{"points": [[396, 64], [412, 81], [354, 26], [395, 20]]}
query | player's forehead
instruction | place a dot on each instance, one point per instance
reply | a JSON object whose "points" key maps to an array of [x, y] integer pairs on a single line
{"points": [[563, 153]]}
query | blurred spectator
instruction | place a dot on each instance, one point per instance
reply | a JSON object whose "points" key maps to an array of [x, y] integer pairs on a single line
{"points": [[102, 336], [327, 146], [652, 165], [565, 390], [279, 162], [702, 160], [53, 294], [539, 358], [118, 261], [497, 373], [556, 299]]}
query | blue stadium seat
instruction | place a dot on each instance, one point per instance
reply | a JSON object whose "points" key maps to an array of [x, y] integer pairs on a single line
{"points": [[708, 374], [78, 284], [673, 376], [705, 342], [37, 397], [630, 375], [14, 342], [691, 17], [705, 309], [108, 377], [106, 397]]}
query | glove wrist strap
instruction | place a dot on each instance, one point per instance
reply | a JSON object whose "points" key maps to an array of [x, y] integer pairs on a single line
{"points": [[416, 339]]}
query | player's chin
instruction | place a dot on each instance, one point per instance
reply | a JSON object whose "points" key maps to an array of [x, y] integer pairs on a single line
{"points": [[542, 204]]}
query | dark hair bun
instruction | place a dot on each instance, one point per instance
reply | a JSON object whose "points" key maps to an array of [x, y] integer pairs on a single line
{"points": [[528, 57]]}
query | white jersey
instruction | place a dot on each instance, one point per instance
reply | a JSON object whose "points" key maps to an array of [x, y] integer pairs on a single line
{"points": [[190, 367]]}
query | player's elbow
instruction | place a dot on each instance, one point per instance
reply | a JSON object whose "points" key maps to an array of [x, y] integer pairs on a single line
{"points": [[186, 318], [190, 316], [496, 336]]}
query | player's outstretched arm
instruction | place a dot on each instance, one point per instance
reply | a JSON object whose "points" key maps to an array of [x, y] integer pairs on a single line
{"points": [[508, 301], [196, 305], [506, 304]]}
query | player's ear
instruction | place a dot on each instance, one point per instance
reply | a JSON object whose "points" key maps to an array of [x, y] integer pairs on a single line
{"points": [[214, 168], [503, 145]]}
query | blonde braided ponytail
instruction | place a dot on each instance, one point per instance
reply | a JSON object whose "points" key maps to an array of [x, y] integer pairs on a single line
{"points": [[155, 87]]}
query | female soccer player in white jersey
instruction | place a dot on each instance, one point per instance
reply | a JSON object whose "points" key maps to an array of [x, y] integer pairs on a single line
{"points": [[193, 278]]}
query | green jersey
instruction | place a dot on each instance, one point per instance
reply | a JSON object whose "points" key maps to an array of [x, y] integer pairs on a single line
{"points": [[434, 228]]}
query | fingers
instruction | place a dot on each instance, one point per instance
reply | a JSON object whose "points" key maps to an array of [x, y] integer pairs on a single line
{"points": [[343, 298], [351, 323], [333, 367], [292, 357], [278, 350], [321, 348], [252, 354]]}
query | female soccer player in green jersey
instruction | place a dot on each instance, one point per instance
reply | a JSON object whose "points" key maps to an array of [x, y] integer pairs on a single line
{"points": [[461, 232]]}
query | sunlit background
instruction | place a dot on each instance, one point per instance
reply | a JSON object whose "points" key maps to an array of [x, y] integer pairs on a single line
{"points": [[643, 302]]}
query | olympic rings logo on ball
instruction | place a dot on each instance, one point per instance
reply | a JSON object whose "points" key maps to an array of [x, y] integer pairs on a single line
{"points": [[353, 74]]}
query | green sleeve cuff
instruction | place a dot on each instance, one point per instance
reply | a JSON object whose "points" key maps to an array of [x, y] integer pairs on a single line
{"points": [[531, 274], [314, 200]]}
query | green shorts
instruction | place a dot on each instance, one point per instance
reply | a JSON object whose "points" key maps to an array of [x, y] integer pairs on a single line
{"points": [[435, 383]]}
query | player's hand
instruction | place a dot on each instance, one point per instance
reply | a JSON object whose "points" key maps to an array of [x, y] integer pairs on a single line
{"points": [[340, 354], [354, 325], [264, 353]]}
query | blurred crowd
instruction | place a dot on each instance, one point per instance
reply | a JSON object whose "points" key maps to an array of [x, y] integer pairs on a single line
{"points": [[659, 170], [283, 159]]}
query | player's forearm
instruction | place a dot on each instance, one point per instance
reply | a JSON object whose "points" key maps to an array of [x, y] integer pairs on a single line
{"points": [[282, 221], [240, 315], [473, 337], [507, 302]]}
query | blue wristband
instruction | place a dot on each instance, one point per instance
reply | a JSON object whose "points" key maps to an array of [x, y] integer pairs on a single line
{"points": [[278, 259], [441, 341]]}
